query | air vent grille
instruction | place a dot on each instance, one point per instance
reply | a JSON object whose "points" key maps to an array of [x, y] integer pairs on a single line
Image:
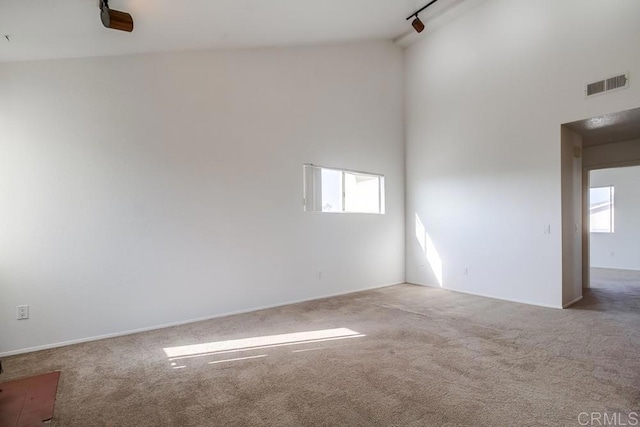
{"points": [[597, 87], [609, 84], [617, 82]]}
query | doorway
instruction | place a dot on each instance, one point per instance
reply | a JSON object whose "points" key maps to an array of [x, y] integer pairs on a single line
{"points": [[614, 228], [592, 151]]}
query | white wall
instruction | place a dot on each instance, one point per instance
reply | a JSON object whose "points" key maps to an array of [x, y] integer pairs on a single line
{"points": [[616, 154], [486, 96], [144, 190], [620, 249], [571, 171]]}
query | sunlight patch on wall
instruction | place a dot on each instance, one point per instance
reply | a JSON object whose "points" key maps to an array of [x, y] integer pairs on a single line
{"points": [[434, 260], [429, 250], [421, 234]]}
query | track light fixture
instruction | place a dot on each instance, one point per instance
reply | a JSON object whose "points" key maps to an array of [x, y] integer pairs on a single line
{"points": [[114, 18], [417, 24]]}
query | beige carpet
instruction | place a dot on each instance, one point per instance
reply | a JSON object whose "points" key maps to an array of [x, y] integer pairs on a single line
{"points": [[399, 356]]}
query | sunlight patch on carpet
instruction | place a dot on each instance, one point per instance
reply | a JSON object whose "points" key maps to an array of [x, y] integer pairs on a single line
{"points": [[254, 343]]}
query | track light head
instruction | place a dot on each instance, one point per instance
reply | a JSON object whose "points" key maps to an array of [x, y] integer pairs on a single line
{"points": [[417, 25], [115, 19]]}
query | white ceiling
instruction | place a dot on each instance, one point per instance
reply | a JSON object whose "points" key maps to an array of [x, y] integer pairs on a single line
{"points": [[42, 29], [610, 128]]}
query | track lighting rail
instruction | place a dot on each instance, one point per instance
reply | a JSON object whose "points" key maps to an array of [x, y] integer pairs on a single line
{"points": [[415, 14]]}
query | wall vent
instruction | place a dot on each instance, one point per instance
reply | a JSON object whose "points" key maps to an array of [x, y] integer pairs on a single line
{"points": [[612, 83]]}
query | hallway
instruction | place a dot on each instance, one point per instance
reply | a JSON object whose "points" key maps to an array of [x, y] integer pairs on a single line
{"points": [[612, 291]]}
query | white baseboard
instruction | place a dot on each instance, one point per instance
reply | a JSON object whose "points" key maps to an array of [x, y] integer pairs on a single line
{"points": [[570, 303], [184, 322], [492, 296], [616, 268]]}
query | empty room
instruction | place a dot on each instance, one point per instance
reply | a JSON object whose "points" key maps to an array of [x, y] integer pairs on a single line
{"points": [[336, 213]]}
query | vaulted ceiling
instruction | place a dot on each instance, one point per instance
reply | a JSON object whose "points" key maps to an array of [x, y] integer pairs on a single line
{"points": [[40, 29]]}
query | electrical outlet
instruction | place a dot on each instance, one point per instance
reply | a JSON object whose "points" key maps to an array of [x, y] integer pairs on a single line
{"points": [[22, 312], [466, 271], [319, 275], [546, 229]]}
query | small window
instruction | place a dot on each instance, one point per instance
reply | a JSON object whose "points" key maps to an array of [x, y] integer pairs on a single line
{"points": [[339, 190], [601, 209]]}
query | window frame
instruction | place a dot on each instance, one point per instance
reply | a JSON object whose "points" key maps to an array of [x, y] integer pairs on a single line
{"points": [[612, 199], [312, 191]]}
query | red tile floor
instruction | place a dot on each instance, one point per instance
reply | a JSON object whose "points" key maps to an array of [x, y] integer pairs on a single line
{"points": [[28, 401]]}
